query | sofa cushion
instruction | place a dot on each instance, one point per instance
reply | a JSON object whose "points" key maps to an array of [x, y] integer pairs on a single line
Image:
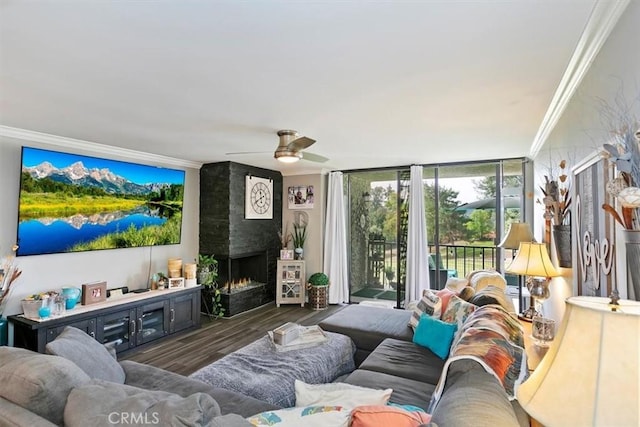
{"points": [[103, 403], [474, 397], [152, 378], [429, 304], [456, 284], [435, 335], [406, 360], [405, 391], [385, 415], [37, 382], [457, 311], [342, 394], [369, 326], [91, 356]]}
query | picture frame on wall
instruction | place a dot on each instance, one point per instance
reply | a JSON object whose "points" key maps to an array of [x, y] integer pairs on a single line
{"points": [[301, 197], [594, 261]]}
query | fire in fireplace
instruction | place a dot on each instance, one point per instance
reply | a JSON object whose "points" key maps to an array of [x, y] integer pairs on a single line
{"points": [[243, 279]]}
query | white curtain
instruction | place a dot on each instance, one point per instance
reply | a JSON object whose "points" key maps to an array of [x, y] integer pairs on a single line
{"points": [[417, 248], [335, 242]]}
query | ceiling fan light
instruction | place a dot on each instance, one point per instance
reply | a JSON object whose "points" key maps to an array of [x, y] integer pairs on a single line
{"points": [[287, 156]]}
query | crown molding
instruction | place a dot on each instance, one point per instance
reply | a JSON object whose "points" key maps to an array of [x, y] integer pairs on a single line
{"points": [[78, 144], [601, 22]]}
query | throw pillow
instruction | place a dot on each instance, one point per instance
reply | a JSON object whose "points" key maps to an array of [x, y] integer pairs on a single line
{"points": [[345, 395], [445, 295], [310, 416], [467, 293], [37, 382], [91, 356], [430, 304], [435, 335], [457, 311], [481, 279], [456, 284], [102, 403], [493, 295], [375, 416]]}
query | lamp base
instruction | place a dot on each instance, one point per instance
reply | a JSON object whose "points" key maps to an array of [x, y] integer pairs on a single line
{"points": [[528, 314]]}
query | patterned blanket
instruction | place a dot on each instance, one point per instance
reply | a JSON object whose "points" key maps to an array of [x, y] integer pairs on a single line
{"points": [[259, 371], [495, 339]]}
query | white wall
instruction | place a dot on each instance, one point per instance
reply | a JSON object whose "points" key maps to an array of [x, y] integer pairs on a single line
{"points": [[119, 267], [313, 248], [614, 75]]}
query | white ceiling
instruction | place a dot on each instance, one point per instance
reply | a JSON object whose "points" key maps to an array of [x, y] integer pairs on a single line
{"points": [[375, 83]]}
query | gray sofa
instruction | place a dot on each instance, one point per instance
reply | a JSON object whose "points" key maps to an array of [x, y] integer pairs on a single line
{"points": [[84, 385], [387, 358]]}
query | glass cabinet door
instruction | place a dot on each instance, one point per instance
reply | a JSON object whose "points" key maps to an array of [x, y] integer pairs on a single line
{"points": [[118, 328], [153, 321]]}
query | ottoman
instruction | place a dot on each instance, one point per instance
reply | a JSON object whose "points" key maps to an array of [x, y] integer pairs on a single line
{"points": [[259, 371]]}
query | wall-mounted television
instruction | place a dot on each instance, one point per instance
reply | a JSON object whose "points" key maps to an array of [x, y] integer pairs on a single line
{"points": [[73, 203]]}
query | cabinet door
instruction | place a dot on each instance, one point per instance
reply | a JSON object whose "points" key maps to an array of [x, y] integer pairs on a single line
{"points": [[152, 321], [118, 328], [87, 325], [185, 312]]}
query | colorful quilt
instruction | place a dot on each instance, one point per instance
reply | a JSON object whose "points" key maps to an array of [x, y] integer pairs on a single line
{"points": [[494, 338]]}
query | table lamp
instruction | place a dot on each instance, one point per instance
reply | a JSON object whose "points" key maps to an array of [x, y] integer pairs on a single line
{"points": [[533, 260], [590, 375], [518, 232]]}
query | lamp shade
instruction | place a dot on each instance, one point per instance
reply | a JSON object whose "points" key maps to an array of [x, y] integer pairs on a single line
{"points": [[532, 260], [591, 374], [518, 232]]}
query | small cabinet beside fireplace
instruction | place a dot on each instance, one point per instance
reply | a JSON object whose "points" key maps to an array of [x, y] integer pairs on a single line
{"points": [[290, 283]]}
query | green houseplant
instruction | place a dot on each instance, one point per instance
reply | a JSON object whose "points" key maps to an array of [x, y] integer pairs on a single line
{"points": [[207, 272], [318, 291], [298, 237]]}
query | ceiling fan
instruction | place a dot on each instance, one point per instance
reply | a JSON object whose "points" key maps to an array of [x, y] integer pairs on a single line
{"points": [[290, 149]]}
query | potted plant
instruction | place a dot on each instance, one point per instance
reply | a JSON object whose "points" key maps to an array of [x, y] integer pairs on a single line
{"points": [[318, 285], [207, 273], [207, 269], [298, 237]]}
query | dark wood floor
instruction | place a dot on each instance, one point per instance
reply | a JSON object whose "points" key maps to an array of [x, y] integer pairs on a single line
{"points": [[190, 351]]}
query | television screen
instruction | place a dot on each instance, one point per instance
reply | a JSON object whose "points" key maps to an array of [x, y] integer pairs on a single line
{"points": [[72, 203]]}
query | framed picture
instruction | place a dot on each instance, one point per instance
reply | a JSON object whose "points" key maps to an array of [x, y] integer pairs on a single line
{"points": [[94, 292], [258, 199], [176, 282], [594, 230], [301, 197], [286, 254]]}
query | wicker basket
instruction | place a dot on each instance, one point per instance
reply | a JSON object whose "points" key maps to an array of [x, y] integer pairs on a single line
{"points": [[318, 297]]}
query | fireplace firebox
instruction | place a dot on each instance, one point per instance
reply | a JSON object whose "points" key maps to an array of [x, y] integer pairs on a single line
{"points": [[242, 280]]}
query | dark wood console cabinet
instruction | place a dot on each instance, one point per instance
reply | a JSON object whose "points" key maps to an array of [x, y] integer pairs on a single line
{"points": [[130, 321]]}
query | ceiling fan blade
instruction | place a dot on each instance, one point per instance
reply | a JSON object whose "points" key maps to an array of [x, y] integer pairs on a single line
{"points": [[314, 157], [247, 152], [300, 143]]}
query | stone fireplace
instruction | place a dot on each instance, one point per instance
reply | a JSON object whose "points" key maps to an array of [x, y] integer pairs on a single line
{"points": [[246, 249]]}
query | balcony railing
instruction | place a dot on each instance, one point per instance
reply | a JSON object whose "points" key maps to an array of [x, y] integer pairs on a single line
{"points": [[457, 260]]}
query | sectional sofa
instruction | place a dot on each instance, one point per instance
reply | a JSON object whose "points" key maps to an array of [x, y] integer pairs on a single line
{"points": [[80, 383]]}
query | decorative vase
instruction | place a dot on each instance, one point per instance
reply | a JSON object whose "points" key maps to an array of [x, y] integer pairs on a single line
{"points": [[562, 239], [632, 245], [299, 253]]}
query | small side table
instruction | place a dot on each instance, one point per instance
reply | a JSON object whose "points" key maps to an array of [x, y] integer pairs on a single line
{"points": [[534, 352]]}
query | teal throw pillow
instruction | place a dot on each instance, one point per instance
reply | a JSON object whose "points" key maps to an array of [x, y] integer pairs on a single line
{"points": [[435, 335]]}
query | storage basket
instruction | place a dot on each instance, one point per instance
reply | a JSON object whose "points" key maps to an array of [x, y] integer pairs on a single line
{"points": [[318, 297]]}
